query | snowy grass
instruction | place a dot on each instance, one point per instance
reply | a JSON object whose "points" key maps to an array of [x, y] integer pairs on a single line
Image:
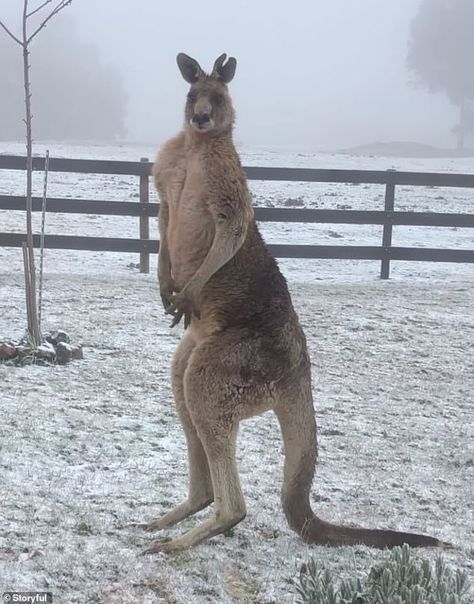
{"points": [[88, 448], [93, 446]]}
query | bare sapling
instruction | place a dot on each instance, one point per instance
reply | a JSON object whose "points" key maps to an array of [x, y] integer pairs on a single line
{"points": [[33, 21]]}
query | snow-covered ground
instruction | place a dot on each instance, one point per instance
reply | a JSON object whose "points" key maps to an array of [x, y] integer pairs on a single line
{"points": [[89, 448]]}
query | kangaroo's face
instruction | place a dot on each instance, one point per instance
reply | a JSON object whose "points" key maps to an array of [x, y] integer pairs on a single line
{"points": [[208, 106]]}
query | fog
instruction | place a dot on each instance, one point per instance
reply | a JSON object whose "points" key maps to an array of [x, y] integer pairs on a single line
{"points": [[311, 74]]}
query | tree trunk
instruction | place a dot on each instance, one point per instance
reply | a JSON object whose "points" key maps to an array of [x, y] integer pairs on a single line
{"points": [[33, 325]]}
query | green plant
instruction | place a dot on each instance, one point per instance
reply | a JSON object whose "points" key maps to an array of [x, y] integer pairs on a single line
{"points": [[400, 578]]}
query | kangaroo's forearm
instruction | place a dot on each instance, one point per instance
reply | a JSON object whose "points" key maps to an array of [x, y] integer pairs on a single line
{"points": [[227, 242], [164, 262]]}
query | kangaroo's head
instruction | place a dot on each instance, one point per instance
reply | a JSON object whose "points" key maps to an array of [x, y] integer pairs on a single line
{"points": [[208, 106]]}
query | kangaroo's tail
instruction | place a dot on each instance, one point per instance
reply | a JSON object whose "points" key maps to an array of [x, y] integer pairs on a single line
{"points": [[298, 427]]}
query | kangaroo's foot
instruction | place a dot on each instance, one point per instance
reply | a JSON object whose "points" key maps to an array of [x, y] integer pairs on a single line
{"points": [[209, 528], [180, 512]]}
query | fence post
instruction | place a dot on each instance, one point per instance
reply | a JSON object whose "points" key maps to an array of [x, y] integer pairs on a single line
{"points": [[387, 227], [144, 220]]}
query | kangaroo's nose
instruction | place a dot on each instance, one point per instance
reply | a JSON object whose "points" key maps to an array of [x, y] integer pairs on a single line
{"points": [[201, 118]]}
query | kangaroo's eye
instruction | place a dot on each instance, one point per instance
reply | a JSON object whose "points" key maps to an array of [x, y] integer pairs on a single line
{"points": [[192, 97], [217, 99]]}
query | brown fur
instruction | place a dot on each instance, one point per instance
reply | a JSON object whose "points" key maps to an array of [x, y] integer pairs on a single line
{"points": [[244, 351]]}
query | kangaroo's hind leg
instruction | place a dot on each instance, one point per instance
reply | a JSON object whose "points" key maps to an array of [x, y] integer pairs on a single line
{"points": [[200, 485], [214, 400]]}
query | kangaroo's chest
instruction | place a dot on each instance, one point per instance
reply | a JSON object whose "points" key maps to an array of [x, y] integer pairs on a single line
{"points": [[190, 227]]}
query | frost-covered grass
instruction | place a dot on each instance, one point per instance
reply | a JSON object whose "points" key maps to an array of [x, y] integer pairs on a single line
{"points": [[93, 446], [89, 448]]}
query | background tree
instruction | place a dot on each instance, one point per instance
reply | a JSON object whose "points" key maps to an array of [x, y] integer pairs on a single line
{"points": [[441, 54]]}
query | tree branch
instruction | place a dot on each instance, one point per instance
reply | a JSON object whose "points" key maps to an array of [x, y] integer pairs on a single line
{"points": [[17, 40], [38, 9], [62, 4]]}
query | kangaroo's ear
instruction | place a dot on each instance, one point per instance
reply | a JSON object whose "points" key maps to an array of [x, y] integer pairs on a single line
{"points": [[189, 68], [224, 70]]}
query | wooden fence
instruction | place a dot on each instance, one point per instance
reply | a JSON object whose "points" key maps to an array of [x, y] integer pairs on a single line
{"points": [[143, 209]]}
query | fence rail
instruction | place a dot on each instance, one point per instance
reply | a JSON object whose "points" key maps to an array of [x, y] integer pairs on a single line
{"points": [[143, 168], [132, 208], [144, 209]]}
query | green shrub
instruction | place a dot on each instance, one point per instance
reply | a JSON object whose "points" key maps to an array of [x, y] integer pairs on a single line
{"points": [[400, 578]]}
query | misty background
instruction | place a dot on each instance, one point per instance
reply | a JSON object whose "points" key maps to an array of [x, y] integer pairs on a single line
{"points": [[312, 74]]}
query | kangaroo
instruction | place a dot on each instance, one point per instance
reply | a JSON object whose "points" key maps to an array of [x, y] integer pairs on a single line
{"points": [[243, 351]]}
